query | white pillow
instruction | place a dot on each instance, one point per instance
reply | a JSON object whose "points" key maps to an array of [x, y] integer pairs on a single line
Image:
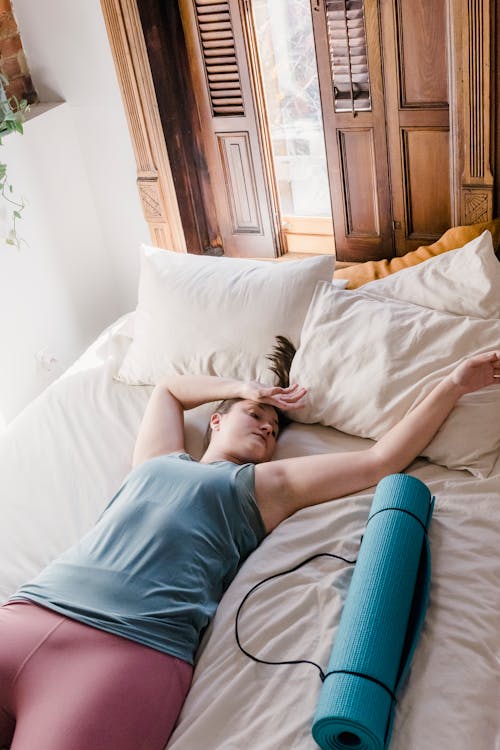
{"points": [[465, 281], [216, 316], [367, 361]]}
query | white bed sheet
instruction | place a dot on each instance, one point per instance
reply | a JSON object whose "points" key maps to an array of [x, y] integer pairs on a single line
{"points": [[66, 454]]}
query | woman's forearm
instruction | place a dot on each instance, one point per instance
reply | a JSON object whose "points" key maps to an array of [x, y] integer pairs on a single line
{"points": [[194, 390], [162, 426], [408, 438]]}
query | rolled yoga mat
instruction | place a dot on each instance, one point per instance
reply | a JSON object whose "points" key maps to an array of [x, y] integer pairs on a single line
{"points": [[381, 620]]}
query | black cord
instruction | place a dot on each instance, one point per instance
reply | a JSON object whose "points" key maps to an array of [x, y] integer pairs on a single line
{"points": [[322, 674], [270, 578]]}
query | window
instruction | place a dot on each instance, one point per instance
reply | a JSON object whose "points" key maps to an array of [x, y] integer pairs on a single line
{"points": [[289, 73]]}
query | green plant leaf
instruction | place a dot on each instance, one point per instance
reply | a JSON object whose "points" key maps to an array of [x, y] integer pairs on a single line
{"points": [[12, 116]]}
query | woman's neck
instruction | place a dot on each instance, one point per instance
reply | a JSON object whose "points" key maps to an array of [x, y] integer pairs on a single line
{"points": [[212, 455]]}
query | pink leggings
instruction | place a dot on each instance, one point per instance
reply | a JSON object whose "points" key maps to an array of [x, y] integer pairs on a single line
{"points": [[67, 686]]}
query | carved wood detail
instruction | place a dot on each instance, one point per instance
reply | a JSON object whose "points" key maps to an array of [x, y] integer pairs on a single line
{"points": [[154, 176], [477, 178], [477, 205], [475, 92], [150, 197]]}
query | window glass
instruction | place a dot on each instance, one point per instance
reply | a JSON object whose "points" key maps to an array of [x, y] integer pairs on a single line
{"points": [[288, 65]]}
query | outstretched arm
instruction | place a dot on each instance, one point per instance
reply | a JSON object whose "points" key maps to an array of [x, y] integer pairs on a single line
{"points": [[162, 426], [285, 486]]}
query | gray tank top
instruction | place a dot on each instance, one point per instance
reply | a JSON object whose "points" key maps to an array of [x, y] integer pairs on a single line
{"points": [[156, 564]]}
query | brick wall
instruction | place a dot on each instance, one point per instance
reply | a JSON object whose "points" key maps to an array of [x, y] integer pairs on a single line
{"points": [[12, 59]]}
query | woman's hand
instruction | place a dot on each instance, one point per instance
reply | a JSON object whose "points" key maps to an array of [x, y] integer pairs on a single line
{"points": [[477, 372], [282, 398]]}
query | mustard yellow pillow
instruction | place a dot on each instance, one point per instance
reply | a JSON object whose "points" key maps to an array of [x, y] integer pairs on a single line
{"points": [[453, 238]]}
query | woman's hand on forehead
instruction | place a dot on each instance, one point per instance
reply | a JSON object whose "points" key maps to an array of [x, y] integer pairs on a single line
{"points": [[285, 399]]}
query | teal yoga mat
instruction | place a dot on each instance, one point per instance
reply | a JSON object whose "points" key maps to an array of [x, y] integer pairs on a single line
{"points": [[381, 620]]}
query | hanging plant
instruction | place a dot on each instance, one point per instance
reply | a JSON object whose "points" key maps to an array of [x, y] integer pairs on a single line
{"points": [[12, 116]]}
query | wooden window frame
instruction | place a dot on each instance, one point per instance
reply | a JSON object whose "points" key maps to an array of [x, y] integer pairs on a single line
{"points": [[474, 149]]}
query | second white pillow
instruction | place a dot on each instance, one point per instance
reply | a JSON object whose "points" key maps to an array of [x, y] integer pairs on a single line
{"points": [[465, 281], [366, 362]]}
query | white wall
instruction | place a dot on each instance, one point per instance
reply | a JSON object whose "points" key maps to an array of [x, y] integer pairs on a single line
{"points": [[84, 223]]}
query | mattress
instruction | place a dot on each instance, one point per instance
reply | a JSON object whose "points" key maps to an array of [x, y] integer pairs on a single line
{"points": [[65, 455]]}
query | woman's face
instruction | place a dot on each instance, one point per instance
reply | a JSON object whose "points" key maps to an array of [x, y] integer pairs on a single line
{"points": [[248, 431]]}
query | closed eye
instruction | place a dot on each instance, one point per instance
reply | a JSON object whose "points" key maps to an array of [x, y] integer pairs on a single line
{"points": [[258, 417]]}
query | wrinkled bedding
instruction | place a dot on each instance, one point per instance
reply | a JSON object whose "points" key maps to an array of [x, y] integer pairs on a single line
{"points": [[65, 455]]}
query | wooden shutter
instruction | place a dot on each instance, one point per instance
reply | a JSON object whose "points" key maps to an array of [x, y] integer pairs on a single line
{"points": [[219, 57], [225, 93], [348, 55], [347, 37], [422, 119]]}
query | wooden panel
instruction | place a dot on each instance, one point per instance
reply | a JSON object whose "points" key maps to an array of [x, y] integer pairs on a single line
{"points": [[423, 67], [362, 221], [423, 118], [427, 182], [415, 37], [360, 183], [240, 185]]}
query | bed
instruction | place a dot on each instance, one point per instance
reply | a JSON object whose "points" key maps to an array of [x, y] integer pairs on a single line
{"points": [[65, 455]]}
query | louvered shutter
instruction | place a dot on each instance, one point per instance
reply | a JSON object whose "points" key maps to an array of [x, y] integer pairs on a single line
{"points": [[347, 39], [348, 56], [219, 57], [223, 82]]}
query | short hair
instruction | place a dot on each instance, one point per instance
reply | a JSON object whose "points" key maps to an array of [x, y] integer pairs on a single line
{"points": [[281, 360]]}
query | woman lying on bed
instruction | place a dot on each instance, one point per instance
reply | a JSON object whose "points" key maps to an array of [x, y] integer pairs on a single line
{"points": [[98, 650]]}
